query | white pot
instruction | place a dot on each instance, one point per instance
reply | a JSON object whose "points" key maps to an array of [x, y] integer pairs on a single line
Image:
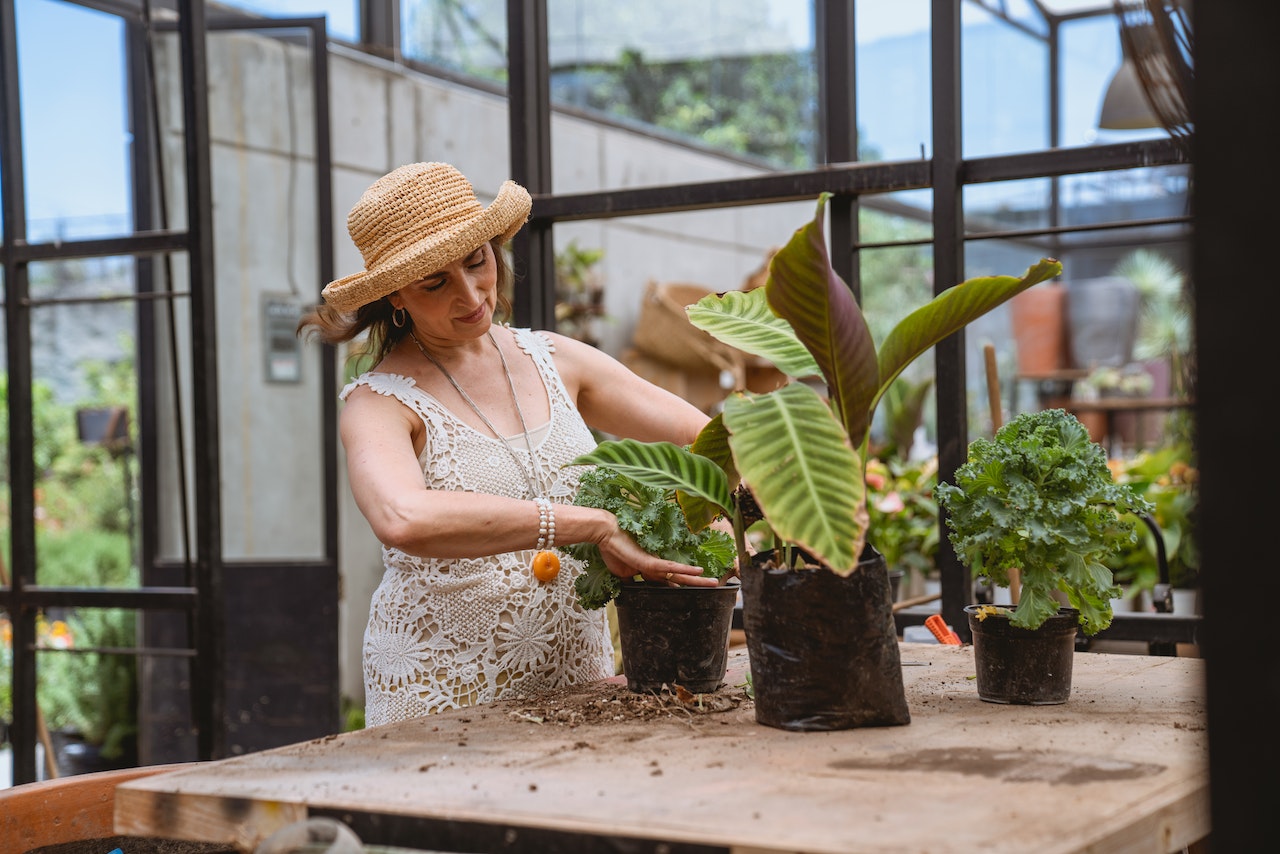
{"points": [[1186, 600]]}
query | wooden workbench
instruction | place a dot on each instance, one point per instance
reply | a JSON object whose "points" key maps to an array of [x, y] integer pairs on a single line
{"points": [[1122, 766]]}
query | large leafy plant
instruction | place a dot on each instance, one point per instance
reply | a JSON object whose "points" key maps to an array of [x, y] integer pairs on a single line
{"points": [[1039, 498], [793, 456]]}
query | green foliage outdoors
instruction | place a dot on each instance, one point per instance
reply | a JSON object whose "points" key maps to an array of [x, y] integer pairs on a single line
{"points": [[655, 521], [904, 513], [351, 713], [93, 693], [579, 292], [83, 497], [1040, 498], [757, 104], [1164, 324], [1166, 477]]}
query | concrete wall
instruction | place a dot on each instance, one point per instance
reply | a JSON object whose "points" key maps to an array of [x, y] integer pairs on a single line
{"points": [[383, 116]]}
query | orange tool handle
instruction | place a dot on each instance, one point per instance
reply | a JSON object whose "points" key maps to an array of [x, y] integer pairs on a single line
{"points": [[941, 630]]}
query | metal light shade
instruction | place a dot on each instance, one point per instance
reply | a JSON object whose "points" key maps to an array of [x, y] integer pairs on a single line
{"points": [[1125, 106]]}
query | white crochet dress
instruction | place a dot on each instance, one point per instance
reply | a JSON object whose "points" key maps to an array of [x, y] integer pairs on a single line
{"points": [[443, 634]]}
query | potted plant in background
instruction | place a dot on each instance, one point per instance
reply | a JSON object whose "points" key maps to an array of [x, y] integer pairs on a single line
{"points": [[579, 293], [668, 635], [904, 519], [1039, 498], [91, 697], [816, 606], [1166, 477]]}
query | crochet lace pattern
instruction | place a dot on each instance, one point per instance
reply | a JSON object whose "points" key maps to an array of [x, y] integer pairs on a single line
{"points": [[448, 633]]}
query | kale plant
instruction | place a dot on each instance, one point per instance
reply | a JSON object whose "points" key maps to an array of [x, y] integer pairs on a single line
{"points": [[1040, 498], [652, 518]]}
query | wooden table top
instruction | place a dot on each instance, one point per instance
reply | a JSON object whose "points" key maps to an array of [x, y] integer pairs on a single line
{"points": [[1122, 766]]}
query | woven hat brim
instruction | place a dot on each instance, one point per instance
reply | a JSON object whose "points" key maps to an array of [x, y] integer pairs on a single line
{"points": [[503, 218]]}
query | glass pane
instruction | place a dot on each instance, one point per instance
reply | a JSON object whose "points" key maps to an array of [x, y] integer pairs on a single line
{"points": [[469, 38], [75, 129], [1090, 53], [894, 67], [896, 280], [342, 15], [84, 391], [651, 267], [1005, 86], [1155, 192], [737, 77], [1007, 205], [1120, 322], [1022, 12], [996, 328], [86, 689]]}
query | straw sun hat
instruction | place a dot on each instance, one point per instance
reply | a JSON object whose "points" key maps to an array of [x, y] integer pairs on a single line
{"points": [[415, 220]]}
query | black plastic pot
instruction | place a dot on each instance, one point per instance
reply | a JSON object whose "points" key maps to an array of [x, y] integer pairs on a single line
{"points": [[1030, 667], [675, 635], [74, 755], [823, 648]]}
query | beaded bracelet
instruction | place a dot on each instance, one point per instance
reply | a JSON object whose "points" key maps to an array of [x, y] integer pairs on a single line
{"points": [[546, 524]]}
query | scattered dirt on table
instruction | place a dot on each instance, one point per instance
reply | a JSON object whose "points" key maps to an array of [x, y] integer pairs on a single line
{"points": [[608, 702]]}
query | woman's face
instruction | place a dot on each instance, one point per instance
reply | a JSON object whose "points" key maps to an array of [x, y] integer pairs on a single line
{"points": [[455, 302]]}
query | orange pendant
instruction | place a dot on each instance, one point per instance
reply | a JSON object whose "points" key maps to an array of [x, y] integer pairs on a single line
{"points": [[546, 566]]}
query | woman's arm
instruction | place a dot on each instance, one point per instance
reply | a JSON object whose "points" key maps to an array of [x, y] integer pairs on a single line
{"points": [[379, 432], [615, 400]]}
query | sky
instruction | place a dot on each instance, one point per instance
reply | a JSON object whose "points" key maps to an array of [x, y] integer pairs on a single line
{"points": [[74, 126]]}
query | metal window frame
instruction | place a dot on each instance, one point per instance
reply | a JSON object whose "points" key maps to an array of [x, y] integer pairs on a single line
{"points": [[201, 598]]}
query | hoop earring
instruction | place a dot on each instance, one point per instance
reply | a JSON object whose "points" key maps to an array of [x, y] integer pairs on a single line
{"points": [[399, 317]]}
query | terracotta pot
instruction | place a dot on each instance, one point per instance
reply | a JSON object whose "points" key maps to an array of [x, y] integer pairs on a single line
{"points": [[1039, 317]]}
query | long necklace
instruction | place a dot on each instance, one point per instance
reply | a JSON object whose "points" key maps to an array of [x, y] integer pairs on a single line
{"points": [[546, 564]]}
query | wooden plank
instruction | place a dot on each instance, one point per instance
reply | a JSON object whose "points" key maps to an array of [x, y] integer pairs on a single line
{"points": [[65, 809], [243, 822], [1122, 766]]}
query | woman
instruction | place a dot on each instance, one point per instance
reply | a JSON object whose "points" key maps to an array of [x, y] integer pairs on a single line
{"points": [[457, 443]]}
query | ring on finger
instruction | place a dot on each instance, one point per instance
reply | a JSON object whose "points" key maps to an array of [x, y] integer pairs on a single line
{"points": [[669, 574]]}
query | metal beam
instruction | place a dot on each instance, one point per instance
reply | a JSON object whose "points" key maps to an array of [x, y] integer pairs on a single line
{"points": [[529, 94]]}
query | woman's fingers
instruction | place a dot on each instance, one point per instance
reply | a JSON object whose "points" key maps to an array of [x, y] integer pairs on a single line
{"points": [[625, 558], [678, 574]]}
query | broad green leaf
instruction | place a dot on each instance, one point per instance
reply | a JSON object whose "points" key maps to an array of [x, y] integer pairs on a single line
{"points": [[796, 459], [744, 320], [807, 292], [949, 312], [664, 465], [712, 443]]}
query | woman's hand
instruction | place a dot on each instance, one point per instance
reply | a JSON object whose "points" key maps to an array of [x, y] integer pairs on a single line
{"points": [[626, 559]]}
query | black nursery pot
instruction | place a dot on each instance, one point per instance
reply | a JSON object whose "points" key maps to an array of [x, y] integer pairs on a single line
{"points": [[1030, 667], [675, 635], [823, 648]]}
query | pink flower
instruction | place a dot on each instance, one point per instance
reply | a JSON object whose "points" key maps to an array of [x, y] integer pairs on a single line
{"points": [[891, 503]]}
